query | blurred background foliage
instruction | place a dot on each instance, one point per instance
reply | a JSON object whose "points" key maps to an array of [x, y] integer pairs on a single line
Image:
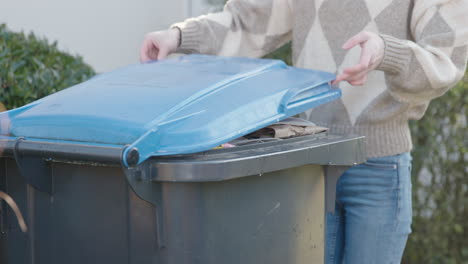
{"points": [[440, 181], [31, 68]]}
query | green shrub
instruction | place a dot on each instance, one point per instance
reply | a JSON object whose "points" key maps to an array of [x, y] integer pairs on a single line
{"points": [[283, 53], [31, 68], [440, 180]]}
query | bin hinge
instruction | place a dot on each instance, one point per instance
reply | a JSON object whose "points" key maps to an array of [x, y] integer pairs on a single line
{"points": [[35, 170], [142, 184]]}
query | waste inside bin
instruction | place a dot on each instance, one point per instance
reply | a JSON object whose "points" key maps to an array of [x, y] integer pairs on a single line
{"points": [[110, 171]]}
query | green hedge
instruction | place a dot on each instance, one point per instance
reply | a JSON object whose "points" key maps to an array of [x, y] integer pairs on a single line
{"points": [[31, 68], [440, 182]]}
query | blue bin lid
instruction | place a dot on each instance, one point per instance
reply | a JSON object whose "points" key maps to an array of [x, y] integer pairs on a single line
{"points": [[175, 106]]}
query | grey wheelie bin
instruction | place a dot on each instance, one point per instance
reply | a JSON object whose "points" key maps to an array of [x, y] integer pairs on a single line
{"points": [[121, 168]]}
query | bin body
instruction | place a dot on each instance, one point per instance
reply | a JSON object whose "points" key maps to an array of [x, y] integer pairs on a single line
{"points": [[94, 216], [119, 169]]}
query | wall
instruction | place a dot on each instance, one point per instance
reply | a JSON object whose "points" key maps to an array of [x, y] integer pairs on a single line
{"points": [[107, 33]]}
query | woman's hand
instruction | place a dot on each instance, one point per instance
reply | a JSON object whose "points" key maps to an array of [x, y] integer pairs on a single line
{"points": [[159, 44], [372, 52]]}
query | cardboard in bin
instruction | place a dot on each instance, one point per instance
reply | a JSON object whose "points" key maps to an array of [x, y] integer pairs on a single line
{"points": [[176, 106]]}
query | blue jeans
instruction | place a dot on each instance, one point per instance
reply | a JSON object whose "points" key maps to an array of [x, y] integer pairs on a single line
{"points": [[372, 218]]}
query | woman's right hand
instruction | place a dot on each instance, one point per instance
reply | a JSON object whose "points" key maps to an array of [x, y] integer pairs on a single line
{"points": [[158, 45]]}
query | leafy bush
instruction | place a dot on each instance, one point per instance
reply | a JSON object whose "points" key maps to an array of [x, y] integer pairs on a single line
{"points": [[283, 53], [31, 68], [440, 198]]}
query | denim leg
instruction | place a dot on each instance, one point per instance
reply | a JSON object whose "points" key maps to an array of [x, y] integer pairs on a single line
{"points": [[334, 236], [375, 198]]}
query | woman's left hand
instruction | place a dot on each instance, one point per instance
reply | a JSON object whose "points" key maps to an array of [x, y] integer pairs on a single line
{"points": [[372, 53]]}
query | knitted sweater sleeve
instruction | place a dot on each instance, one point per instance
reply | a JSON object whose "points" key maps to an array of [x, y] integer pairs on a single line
{"points": [[248, 28], [436, 59]]}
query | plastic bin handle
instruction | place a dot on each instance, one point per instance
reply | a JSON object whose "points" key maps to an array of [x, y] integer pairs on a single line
{"points": [[293, 100]]}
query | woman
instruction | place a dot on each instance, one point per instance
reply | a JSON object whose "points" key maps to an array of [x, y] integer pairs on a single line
{"points": [[410, 52]]}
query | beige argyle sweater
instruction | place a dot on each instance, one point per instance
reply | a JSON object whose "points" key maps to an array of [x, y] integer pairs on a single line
{"points": [[425, 55]]}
